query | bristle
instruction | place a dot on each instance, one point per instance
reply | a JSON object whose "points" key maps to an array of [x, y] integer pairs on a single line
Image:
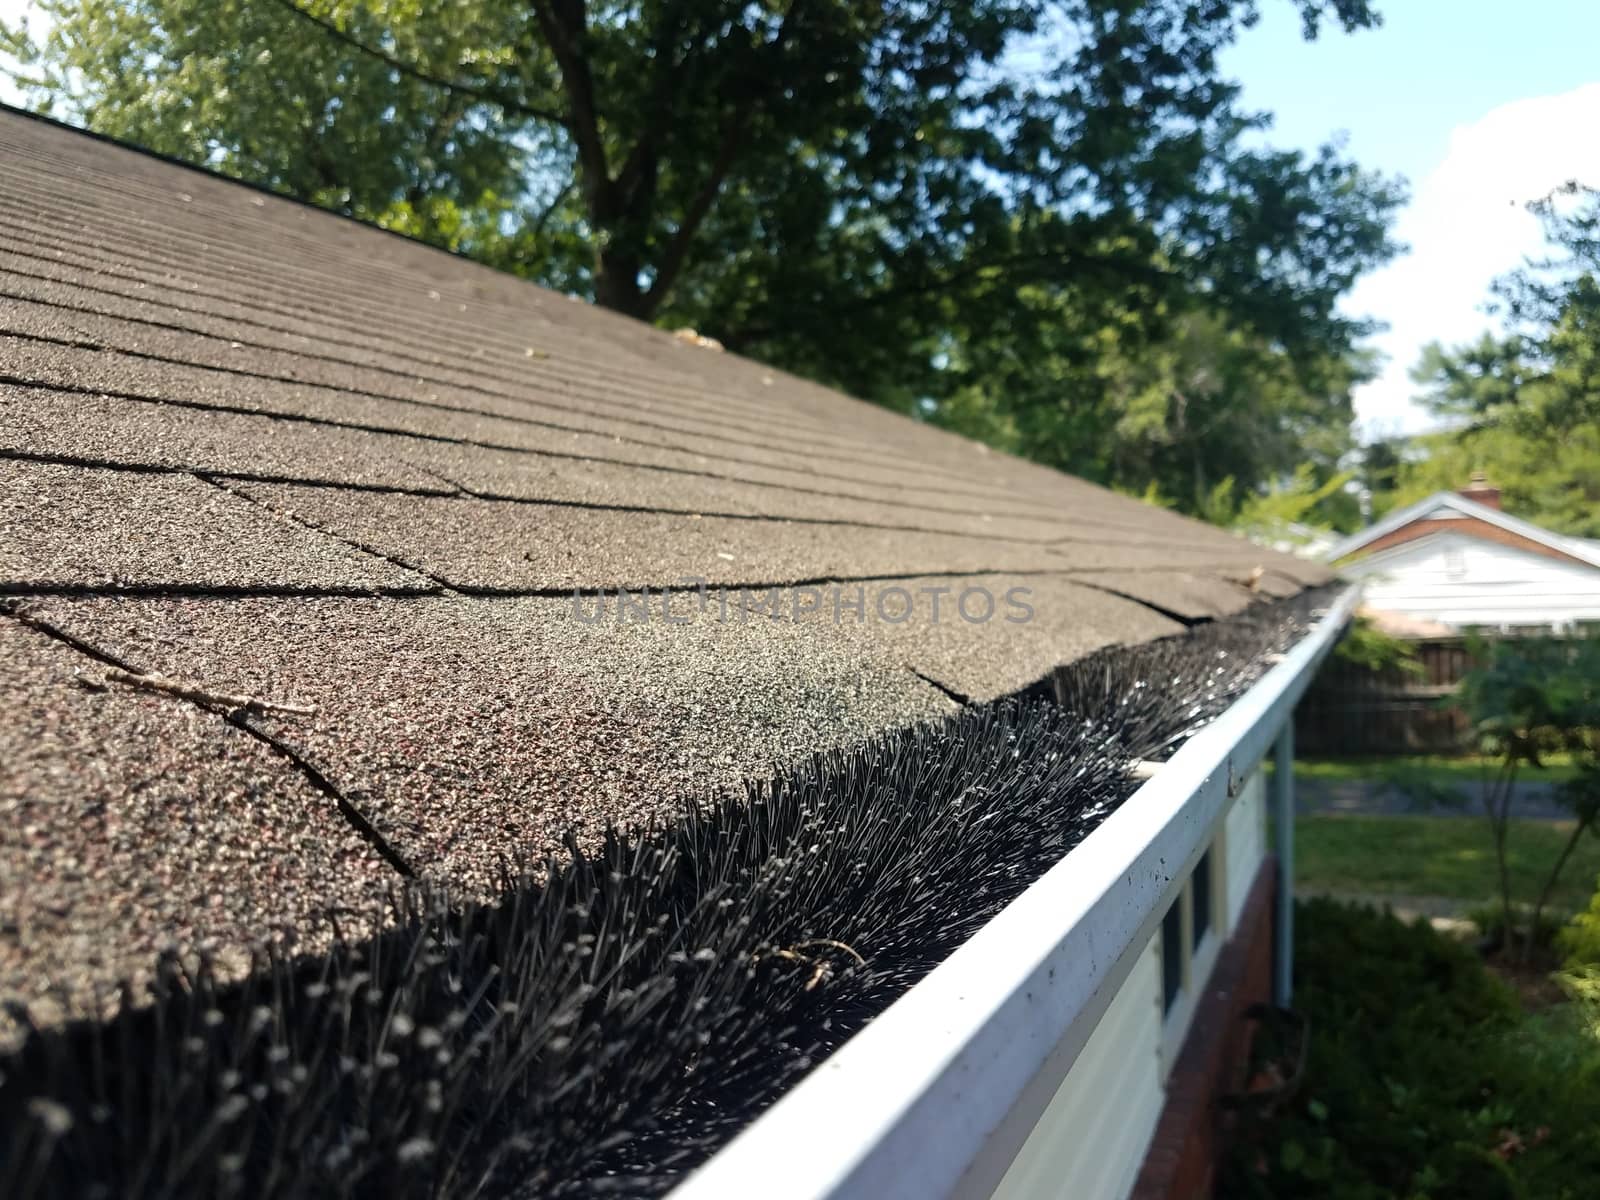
{"points": [[616, 1015], [1152, 697]]}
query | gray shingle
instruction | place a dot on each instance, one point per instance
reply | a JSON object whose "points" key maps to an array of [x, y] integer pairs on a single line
{"points": [[131, 822], [240, 418]]}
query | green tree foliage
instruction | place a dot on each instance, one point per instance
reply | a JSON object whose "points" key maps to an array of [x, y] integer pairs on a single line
{"points": [[1528, 698], [1368, 646], [1039, 221], [1524, 408]]}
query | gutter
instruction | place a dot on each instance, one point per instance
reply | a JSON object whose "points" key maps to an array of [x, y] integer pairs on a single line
{"points": [[936, 1096]]}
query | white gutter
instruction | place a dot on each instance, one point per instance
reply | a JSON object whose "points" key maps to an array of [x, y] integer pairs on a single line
{"points": [[935, 1097]]}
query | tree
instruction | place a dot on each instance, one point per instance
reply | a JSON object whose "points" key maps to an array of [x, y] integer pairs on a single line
{"points": [[1524, 407], [1528, 698], [941, 207]]}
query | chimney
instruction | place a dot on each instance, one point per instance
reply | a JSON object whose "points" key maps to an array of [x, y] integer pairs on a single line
{"points": [[1478, 490]]}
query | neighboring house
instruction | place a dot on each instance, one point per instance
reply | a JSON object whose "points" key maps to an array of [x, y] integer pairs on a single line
{"points": [[1432, 574], [294, 520], [1456, 559]]}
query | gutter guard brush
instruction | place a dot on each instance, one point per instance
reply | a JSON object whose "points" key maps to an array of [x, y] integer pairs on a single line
{"points": [[1153, 697], [609, 1020]]}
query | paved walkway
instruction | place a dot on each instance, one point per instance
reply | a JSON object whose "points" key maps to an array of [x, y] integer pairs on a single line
{"points": [[1532, 801]]}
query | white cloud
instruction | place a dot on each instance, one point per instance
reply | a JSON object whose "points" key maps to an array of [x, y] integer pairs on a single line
{"points": [[1466, 224], [11, 14]]}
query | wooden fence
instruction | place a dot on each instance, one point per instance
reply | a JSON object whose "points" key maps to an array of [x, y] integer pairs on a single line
{"points": [[1350, 709]]}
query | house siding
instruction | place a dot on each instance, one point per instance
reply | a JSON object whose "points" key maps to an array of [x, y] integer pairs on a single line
{"points": [[1468, 527], [1464, 581], [1245, 842], [1092, 1141], [1190, 1139]]}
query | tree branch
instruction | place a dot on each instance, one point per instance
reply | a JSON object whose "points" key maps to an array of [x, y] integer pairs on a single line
{"points": [[677, 250], [550, 209], [579, 84], [481, 92], [640, 166], [672, 259]]}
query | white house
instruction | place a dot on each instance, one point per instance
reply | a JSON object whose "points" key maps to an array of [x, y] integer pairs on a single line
{"points": [[1458, 560]]}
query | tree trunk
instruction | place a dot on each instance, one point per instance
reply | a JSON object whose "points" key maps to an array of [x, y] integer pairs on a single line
{"points": [[1497, 801], [1549, 886], [616, 285]]}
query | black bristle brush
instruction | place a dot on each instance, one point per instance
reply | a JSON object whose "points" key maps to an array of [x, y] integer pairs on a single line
{"points": [[1152, 697], [611, 1018]]}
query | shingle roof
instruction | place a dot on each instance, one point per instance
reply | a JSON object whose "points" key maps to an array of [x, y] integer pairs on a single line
{"points": [[267, 451]]}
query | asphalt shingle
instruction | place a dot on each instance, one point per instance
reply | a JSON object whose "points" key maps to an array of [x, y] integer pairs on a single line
{"points": [[268, 451], [132, 823], [71, 527]]}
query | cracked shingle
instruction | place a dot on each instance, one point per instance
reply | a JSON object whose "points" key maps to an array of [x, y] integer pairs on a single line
{"points": [[131, 823]]}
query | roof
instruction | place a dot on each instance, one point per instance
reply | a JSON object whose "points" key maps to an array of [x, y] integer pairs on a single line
{"points": [[1454, 506], [266, 452]]}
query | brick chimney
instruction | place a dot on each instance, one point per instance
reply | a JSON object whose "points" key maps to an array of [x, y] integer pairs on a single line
{"points": [[1478, 490]]}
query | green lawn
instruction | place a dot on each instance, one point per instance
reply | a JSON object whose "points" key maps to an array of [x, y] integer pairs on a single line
{"points": [[1438, 856], [1457, 770]]}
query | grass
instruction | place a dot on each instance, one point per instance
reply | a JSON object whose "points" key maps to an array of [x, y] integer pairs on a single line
{"points": [[1458, 770], [1430, 856]]}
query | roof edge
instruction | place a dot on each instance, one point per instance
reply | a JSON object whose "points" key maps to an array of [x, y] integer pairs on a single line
{"points": [[935, 1095], [1572, 547]]}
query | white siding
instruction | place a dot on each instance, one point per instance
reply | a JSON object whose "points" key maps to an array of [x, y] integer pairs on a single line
{"points": [[1464, 581], [1246, 842], [1091, 1140], [1092, 1137]]}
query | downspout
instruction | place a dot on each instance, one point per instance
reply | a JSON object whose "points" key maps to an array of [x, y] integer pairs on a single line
{"points": [[1283, 830]]}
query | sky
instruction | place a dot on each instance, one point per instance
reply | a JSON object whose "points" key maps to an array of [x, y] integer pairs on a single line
{"points": [[10, 12], [1482, 105]]}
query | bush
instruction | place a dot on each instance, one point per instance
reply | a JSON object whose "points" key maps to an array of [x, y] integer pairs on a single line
{"points": [[1580, 940], [1491, 923], [1424, 1080]]}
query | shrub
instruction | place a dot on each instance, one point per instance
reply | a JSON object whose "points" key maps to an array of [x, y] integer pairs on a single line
{"points": [[1423, 1080], [1580, 940]]}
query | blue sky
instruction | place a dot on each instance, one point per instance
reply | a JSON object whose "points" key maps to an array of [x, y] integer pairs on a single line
{"points": [[1481, 104]]}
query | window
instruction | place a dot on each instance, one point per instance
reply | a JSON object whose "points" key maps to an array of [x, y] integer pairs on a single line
{"points": [[1186, 951], [1200, 895], [1172, 955]]}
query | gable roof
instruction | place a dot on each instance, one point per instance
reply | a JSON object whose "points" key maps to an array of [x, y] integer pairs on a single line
{"points": [[1453, 506], [270, 453]]}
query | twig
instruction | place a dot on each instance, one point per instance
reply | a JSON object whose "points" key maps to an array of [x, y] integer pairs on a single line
{"points": [[1144, 768], [188, 691], [850, 950], [822, 967]]}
